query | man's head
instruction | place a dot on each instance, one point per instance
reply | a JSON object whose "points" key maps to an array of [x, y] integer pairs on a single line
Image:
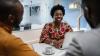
{"points": [[91, 10], [11, 12]]}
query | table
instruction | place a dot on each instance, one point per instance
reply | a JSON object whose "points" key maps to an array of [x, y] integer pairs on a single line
{"points": [[40, 48]]}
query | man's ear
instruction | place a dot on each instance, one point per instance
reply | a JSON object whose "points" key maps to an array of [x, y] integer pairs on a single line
{"points": [[11, 18]]}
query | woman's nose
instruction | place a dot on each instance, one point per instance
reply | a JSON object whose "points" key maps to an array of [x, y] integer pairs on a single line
{"points": [[59, 16]]}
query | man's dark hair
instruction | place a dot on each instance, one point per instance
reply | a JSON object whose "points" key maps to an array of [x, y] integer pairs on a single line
{"points": [[91, 10], [57, 7], [7, 7]]}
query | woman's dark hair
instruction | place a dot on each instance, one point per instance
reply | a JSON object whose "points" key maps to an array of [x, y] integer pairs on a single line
{"points": [[57, 7]]}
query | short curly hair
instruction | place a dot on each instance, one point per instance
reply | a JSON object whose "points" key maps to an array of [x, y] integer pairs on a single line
{"points": [[57, 7]]}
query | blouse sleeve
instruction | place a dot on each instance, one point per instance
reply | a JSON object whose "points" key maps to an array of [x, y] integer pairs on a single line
{"points": [[68, 28], [44, 34]]}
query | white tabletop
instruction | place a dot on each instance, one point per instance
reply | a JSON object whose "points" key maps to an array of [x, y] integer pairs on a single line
{"points": [[40, 48]]}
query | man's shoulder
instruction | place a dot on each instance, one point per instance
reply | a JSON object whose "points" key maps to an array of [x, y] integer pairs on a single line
{"points": [[74, 33], [89, 34], [84, 37], [89, 41]]}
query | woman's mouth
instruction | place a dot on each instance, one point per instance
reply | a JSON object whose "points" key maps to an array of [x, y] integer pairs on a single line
{"points": [[58, 19]]}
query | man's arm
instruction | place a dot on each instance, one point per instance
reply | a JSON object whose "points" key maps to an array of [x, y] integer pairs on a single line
{"points": [[74, 49]]}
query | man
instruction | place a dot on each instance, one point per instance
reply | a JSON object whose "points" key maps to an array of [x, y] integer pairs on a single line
{"points": [[11, 12], [88, 43]]}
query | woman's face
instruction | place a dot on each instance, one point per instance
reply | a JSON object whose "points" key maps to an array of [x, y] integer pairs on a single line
{"points": [[58, 16]]}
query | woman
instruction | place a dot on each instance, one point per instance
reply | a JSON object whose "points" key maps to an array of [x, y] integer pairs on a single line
{"points": [[53, 33]]}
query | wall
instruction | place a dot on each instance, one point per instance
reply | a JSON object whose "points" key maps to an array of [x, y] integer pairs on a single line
{"points": [[71, 15], [43, 15]]}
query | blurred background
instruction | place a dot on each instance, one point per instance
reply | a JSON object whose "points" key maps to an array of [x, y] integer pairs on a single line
{"points": [[37, 13]]}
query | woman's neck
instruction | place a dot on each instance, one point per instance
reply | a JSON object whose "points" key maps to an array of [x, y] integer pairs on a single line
{"points": [[57, 24]]}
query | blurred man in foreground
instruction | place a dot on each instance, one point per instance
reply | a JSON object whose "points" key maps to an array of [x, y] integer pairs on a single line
{"points": [[88, 43], [11, 12]]}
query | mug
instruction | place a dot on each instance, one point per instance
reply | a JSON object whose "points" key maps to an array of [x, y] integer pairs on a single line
{"points": [[48, 50]]}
